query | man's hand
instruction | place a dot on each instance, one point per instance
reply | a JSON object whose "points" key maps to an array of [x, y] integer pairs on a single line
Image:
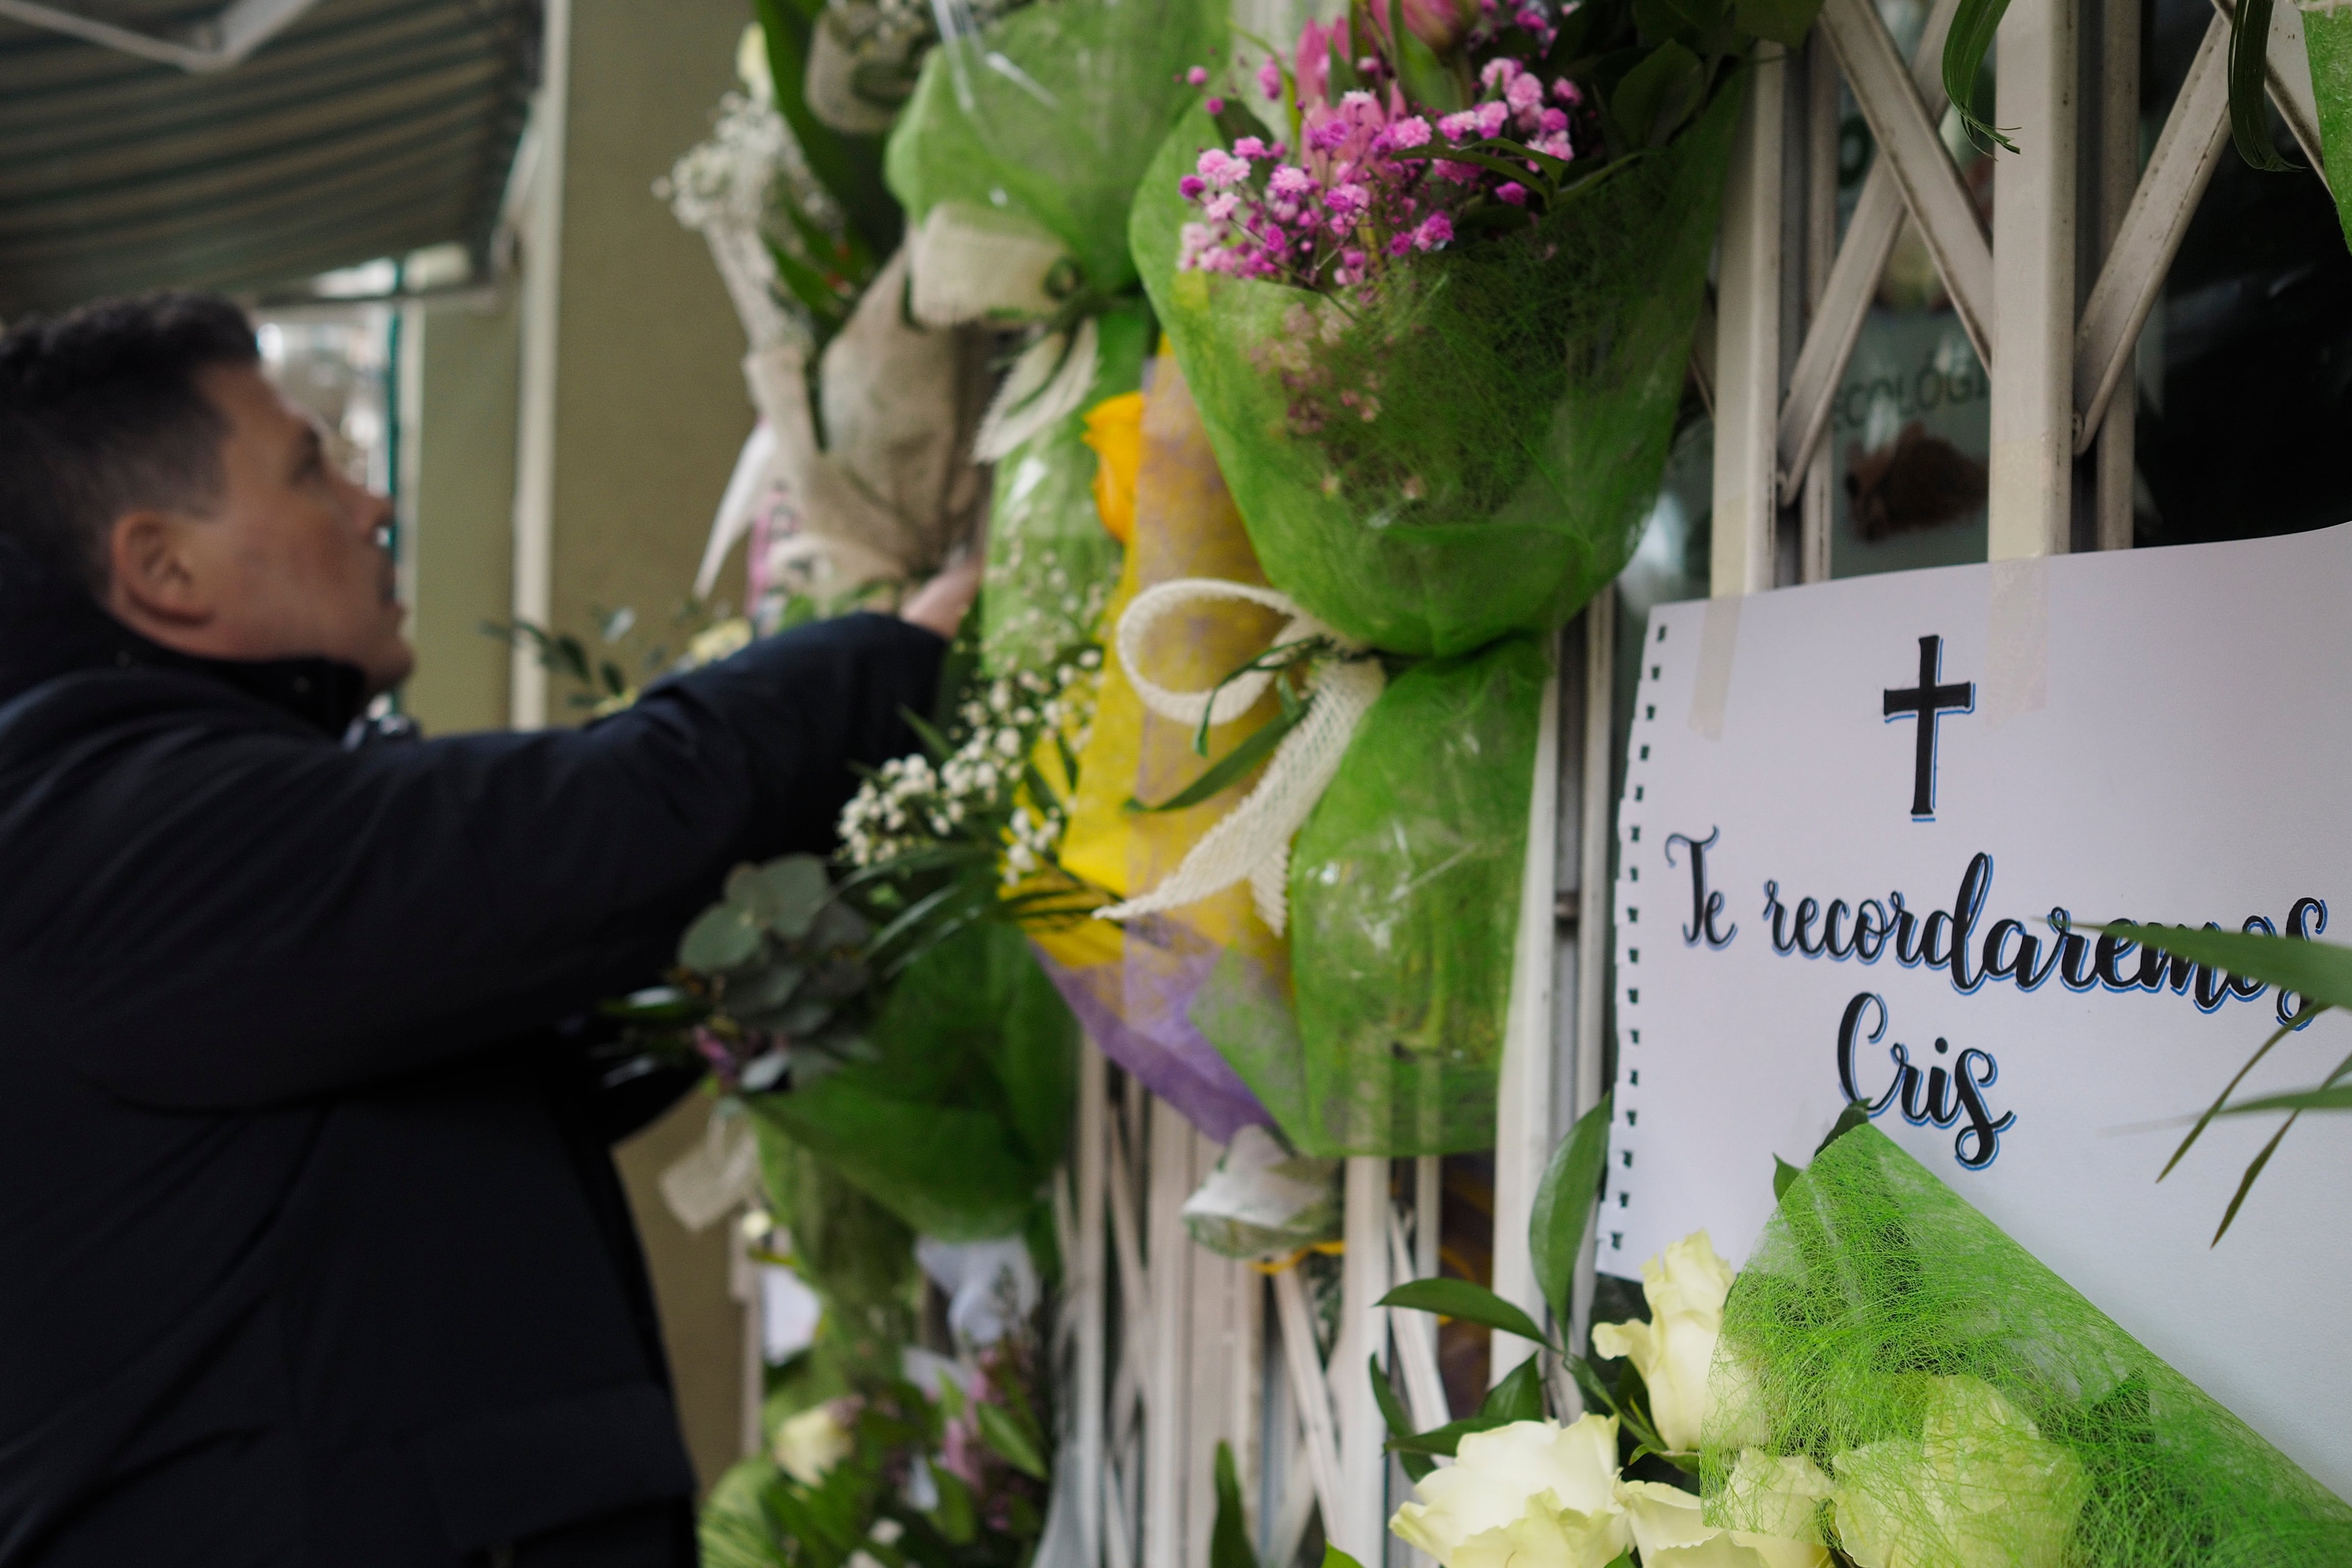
{"points": [[939, 604]]}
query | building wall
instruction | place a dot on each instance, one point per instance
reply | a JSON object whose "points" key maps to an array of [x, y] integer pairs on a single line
{"points": [[462, 375]]}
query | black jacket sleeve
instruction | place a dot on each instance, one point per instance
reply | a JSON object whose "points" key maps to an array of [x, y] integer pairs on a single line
{"points": [[223, 911]]}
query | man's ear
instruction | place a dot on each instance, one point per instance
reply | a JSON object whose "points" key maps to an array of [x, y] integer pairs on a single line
{"points": [[151, 577]]}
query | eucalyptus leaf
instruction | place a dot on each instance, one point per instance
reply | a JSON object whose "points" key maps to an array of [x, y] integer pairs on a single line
{"points": [[1472, 1303], [721, 939], [794, 891], [838, 926], [1564, 1203], [764, 990]]}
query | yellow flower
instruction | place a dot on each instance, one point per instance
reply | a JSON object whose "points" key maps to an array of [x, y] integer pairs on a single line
{"points": [[1673, 1350], [1670, 1528], [1977, 1489], [1114, 430], [751, 64], [812, 1443], [1531, 1492], [708, 646]]}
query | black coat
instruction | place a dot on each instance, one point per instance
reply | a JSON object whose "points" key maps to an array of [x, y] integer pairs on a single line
{"points": [[311, 1251]]}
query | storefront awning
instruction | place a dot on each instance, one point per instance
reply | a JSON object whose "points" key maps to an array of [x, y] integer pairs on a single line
{"points": [[364, 128]]}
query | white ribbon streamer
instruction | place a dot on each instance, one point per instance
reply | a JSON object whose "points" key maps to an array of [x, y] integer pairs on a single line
{"points": [[1048, 383], [973, 263], [1251, 842]]}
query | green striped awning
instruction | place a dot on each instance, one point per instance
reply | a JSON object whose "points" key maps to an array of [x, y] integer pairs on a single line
{"points": [[367, 128]]}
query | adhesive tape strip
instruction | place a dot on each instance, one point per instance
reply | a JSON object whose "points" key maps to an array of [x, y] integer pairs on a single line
{"points": [[1718, 639], [2017, 641]]}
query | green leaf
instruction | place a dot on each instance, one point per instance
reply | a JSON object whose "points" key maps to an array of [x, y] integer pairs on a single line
{"points": [[2250, 110], [1588, 1382], [957, 1516], [721, 939], [2309, 1012], [849, 168], [1441, 1439], [1229, 1542], [2318, 970], [1784, 1176], [1965, 48], [1400, 1421], [1781, 21], [1334, 1558], [1563, 1206], [1425, 80], [2337, 1099], [1518, 1397], [1855, 1114], [1254, 747], [1472, 1303], [1010, 1438], [1659, 94]]}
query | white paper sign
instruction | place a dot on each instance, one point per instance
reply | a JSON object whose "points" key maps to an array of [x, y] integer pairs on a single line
{"points": [[1856, 816]]}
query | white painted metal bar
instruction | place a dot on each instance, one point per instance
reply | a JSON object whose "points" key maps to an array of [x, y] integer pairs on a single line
{"points": [[1359, 1526], [1747, 341], [207, 44], [1523, 1131], [1308, 1390], [1811, 469], [2186, 152], [1852, 280], [1165, 1411], [1589, 1045], [2032, 487], [1416, 1342], [1915, 154], [2119, 174], [1088, 1301]]}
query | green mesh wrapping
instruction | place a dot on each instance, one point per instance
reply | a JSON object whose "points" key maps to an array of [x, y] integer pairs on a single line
{"points": [[1972, 1409], [1053, 112], [2327, 40], [1526, 391], [1051, 567], [963, 1111], [1404, 915]]}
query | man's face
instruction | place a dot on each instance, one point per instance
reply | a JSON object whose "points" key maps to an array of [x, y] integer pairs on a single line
{"points": [[289, 562]]}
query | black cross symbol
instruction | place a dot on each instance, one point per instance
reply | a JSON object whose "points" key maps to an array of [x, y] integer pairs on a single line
{"points": [[1926, 702]]}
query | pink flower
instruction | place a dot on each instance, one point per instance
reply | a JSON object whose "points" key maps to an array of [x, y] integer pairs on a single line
{"points": [[1347, 200], [1510, 191], [1356, 100], [1460, 127], [1198, 75], [1552, 120], [1491, 117], [1499, 73], [1269, 79], [1400, 243], [1221, 168], [1327, 135], [1460, 174], [1565, 89], [1437, 229], [1191, 187], [1410, 132], [1214, 105], [1251, 147], [1290, 180], [1556, 145], [1353, 258], [1524, 94], [1221, 207]]}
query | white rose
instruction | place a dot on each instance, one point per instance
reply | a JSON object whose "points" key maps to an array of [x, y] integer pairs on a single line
{"points": [[1673, 1350], [1978, 1489], [812, 1443], [1670, 1527], [1533, 1492]]}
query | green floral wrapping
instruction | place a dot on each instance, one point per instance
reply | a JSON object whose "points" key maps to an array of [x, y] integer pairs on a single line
{"points": [[1474, 451], [858, 1257], [1895, 1370], [1051, 113], [1051, 566], [2327, 40], [959, 1115], [1404, 913]]}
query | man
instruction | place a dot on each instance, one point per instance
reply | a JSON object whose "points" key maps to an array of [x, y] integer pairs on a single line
{"points": [[311, 1251]]}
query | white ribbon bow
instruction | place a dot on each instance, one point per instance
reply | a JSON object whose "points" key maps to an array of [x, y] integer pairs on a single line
{"points": [[1253, 840]]}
